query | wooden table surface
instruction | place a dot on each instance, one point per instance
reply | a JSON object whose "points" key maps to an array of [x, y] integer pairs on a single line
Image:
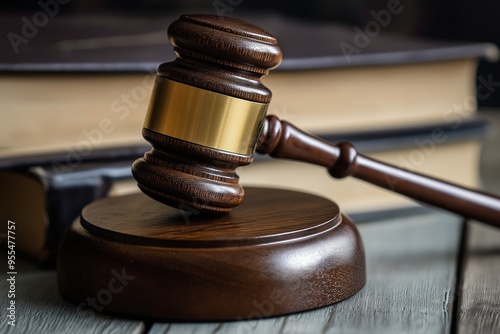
{"points": [[427, 273], [423, 277]]}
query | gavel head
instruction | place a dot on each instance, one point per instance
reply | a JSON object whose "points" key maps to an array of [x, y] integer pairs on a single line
{"points": [[206, 113]]}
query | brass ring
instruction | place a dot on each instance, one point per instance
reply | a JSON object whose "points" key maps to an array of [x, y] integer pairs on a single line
{"points": [[204, 117]]}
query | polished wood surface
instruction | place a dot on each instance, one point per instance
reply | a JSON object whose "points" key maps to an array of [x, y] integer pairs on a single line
{"points": [[189, 176], [412, 287], [281, 139], [411, 265], [190, 265], [225, 56], [285, 250]]}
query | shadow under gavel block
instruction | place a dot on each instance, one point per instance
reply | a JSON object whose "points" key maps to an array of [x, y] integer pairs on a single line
{"points": [[278, 252]]}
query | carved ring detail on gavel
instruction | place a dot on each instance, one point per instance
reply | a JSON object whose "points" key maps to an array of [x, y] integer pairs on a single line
{"points": [[207, 116]]}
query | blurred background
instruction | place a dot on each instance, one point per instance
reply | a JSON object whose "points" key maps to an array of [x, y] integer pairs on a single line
{"points": [[463, 20]]}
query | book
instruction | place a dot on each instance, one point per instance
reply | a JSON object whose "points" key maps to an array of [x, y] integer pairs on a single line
{"points": [[84, 85], [335, 78], [45, 200], [77, 95]]}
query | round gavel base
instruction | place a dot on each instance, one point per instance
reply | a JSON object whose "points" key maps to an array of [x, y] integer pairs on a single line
{"points": [[278, 252]]}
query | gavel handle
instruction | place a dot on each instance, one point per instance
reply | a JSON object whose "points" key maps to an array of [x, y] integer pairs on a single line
{"points": [[281, 139]]}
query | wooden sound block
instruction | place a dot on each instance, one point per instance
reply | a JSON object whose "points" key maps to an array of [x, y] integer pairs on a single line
{"points": [[278, 252]]}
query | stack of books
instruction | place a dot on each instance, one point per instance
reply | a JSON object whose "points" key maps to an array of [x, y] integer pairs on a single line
{"points": [[411, 103], [74, 107]]}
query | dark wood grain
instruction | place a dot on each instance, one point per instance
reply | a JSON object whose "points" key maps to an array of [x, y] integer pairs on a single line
{"points": [[225, 56], [283, 140], [411, 265], [187, 175], [121, 217], [280, 252]]}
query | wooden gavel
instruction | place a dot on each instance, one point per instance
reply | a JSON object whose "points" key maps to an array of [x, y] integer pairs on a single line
{"points": [[207, 116]]}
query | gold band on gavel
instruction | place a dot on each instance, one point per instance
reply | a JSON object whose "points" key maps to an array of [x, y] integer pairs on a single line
{"points": [[203, 117]]}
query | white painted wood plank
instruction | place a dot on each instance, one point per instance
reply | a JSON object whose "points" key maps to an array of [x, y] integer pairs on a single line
{"points": [[40, 309], [479, 304]]}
